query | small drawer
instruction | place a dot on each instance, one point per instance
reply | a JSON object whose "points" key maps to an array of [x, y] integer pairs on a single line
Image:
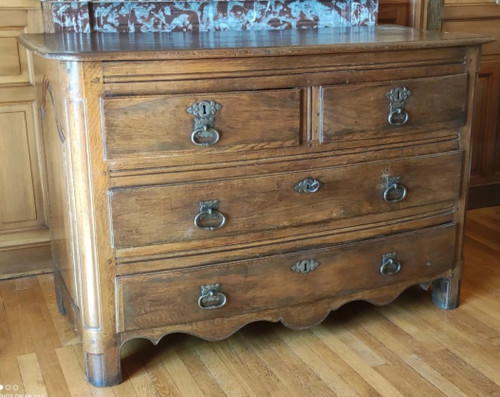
{"points": [[274, 203], [365, 111], [223, 290], [202, 124]]}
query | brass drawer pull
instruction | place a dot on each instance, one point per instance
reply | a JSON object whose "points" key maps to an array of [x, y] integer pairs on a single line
{"points": [[305, 266], [394, 191], [209, 217], [397, 100], [398, 117], [211, 297], [204, 133], [308, 185], [389, 264], [205, 136]]}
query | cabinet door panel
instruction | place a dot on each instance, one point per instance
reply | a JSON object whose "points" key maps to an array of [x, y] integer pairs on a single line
{"points": [[490, 27], [17, 194], [10, 64], [14, 61], [482, 17], [391, 13], [486, 126], [24, 238]]}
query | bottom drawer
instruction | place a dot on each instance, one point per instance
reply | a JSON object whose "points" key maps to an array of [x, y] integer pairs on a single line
{"points": [[182, 296]]}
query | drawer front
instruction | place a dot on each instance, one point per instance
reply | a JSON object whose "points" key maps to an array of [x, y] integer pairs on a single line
{"points": [[176, 297], [367, 111], [203, 124], [172, 213]]}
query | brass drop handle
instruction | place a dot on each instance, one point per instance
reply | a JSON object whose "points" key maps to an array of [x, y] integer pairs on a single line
{"points": [[211, 297], [308, 185], [389, 264], [394, 191], [209, 217], [205, 136], [397, 100], [398, 117], [204, 133]]}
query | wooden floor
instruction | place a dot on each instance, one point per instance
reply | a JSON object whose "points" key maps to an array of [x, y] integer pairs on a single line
{"points": [[408, 348]]}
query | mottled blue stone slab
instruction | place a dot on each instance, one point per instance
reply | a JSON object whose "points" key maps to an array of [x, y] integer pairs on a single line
{"points": [[161, 16]]}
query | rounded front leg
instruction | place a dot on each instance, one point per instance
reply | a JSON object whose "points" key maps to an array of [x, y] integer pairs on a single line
{"points": [[446, 292], [104, 369]]}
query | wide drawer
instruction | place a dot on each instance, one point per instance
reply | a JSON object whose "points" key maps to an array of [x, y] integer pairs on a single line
{"points": [[202, 123], [262, 203], [182, 296], [364, 111]]}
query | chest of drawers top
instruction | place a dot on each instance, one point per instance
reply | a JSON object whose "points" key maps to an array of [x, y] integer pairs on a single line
{"points": [[192, 45]]}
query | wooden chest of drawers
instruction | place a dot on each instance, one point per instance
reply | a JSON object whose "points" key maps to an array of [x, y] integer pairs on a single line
{"points": [[200, 182]]}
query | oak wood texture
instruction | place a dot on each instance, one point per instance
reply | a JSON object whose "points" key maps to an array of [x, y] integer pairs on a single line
{"points": [[482, 17], [341, 117], [24, 246], [124, 221], [406, 348], [268, 283], [25, 253], [246, 121], [242, 44], [163, 214]]}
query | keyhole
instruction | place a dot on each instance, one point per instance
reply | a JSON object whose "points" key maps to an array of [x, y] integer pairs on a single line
{"points": [[399, 95], [204, 109]]}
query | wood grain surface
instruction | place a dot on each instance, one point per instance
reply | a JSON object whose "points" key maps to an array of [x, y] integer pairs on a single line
{"points": [[246, 121], [149, 215], [268, 282], [177, 45]]}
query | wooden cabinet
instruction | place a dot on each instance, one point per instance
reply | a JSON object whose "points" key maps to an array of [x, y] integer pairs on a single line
{"points": [[24, 238], [415, 13], [482, 17], [394, 12], [248, 176]]}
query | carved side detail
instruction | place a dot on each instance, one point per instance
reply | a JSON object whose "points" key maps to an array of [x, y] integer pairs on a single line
{"points": [[47, 92], [58, 188], [76, 114]]}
